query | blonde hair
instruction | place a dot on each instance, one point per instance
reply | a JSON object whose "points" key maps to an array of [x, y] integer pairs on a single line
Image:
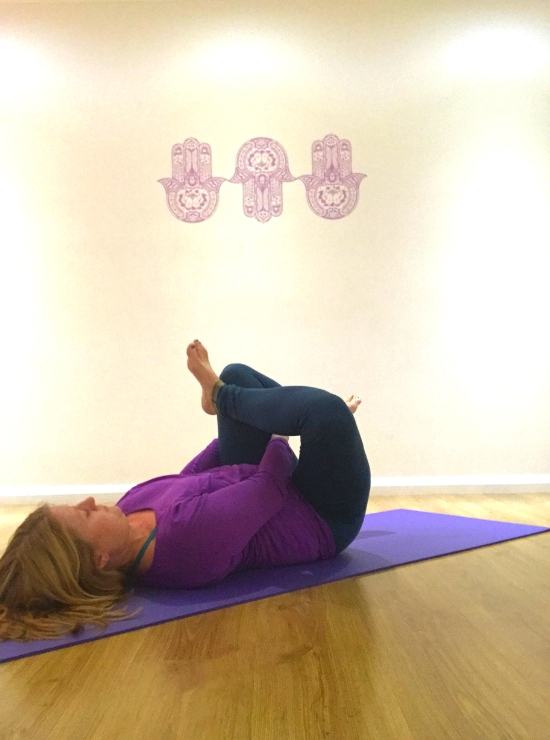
{"points": [[50, 585]]}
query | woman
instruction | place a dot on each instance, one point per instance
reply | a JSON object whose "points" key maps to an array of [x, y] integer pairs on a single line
{"points": [[244, 502]]}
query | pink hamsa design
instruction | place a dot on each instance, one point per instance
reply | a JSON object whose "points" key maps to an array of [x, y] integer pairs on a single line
{"points": [[333, 189], [262, 167], [192, 192]]}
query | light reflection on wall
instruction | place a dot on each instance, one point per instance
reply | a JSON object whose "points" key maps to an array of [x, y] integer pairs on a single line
{"points": [[25, 86], [495, 278], [235, 57], [19, 311], [24, 71], [498, 53]]}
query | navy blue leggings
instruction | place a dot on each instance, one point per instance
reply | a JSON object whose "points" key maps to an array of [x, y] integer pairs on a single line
{"points": [[332, 472]]}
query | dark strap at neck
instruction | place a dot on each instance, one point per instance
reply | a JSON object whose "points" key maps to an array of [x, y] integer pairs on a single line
{"points": [[132, 569]]}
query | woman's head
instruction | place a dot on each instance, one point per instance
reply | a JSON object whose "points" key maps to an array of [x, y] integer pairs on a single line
{"points": [[105, 528], [53, 581]]}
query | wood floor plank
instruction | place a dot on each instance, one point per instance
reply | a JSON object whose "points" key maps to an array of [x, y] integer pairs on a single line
{"points": [[456, 647]]}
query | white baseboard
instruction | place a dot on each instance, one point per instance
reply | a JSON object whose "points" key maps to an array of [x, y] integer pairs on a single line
{"points": [[408, 486], [455, 484]]}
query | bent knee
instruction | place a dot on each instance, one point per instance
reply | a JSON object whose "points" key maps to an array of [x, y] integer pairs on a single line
{"points": [[334, 405], [235, 373], [327, 409]]}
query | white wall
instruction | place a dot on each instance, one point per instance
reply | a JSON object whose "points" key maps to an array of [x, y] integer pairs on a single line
{"points": [[430, 300]]}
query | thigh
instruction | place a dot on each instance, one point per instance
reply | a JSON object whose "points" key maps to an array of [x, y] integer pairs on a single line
{"points": [[239, 442], [333, 472]]}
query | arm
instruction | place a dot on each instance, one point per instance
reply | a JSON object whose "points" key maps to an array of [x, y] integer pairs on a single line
{"points": [[278, 458], [205, 460], [231, 516]]}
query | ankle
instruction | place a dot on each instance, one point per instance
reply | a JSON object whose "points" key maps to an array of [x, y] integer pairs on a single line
{"points": [[215, 390]]}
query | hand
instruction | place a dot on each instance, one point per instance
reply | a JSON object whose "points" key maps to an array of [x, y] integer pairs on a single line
{"points": [[192, 192], [332, 190]]}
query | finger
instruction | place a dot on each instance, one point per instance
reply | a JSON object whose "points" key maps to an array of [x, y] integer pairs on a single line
{"points": [[177, 162], [318, 157], [344, 158], [331, 156], [205, 167]]}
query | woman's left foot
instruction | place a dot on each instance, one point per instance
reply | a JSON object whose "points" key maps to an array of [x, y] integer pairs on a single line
{"points": [[199, 364], [352, 403]]}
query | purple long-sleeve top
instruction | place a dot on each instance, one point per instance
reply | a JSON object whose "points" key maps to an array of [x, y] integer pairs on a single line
{"points": [[213, 519]]}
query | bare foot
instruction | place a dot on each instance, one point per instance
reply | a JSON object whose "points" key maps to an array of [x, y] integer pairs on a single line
{"points": [[352, 403], [199, 365]]}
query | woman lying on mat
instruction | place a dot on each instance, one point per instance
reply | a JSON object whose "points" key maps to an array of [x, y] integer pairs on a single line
{"points": [[244, 502]]}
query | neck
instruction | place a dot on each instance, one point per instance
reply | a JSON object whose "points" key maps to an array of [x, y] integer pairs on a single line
{"points": [[141, 524]]}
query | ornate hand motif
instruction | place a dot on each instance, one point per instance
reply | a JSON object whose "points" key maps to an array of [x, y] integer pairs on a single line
{"points": [[333, 189], [262, 167], [192, 192]]}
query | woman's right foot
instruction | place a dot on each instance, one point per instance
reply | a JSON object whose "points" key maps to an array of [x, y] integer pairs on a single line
{"points": [[352, 403], [199, 365]]}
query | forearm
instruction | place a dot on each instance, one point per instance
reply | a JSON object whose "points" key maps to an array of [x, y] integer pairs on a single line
{"points": [[278, 459]]}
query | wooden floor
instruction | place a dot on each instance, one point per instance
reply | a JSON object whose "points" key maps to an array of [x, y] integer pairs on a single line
{"points": [[456, 647]]}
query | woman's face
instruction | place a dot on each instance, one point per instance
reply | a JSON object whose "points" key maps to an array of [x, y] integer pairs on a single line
{"points": [[105, 528]]}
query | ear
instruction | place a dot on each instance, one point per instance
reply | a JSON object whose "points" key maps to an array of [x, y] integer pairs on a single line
{"points": [[101, 559]]}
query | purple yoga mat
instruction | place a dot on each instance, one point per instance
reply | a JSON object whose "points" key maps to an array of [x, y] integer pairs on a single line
{"points": [[386, 539]]}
